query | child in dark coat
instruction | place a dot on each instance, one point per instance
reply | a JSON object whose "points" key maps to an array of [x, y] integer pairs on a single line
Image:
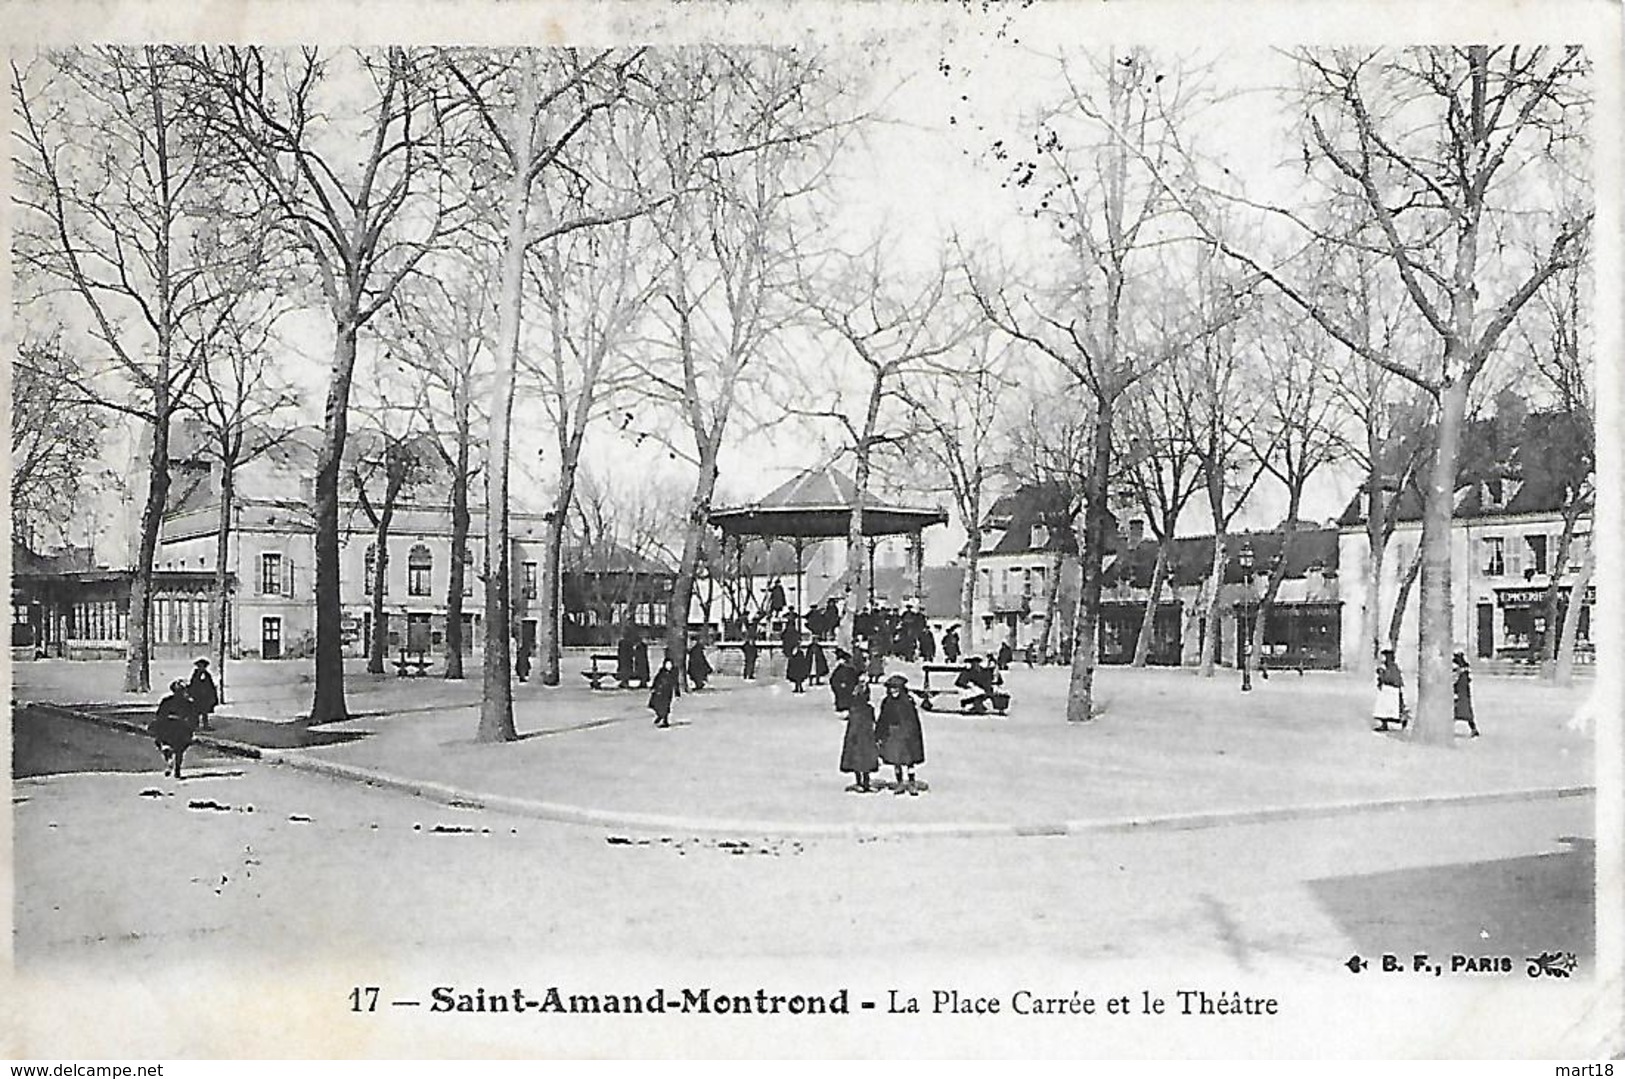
{"points": [[797, 668], [661, 692], [858, 752], [174, 726]]}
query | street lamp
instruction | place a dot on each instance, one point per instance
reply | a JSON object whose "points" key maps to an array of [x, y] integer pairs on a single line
{"points": [[1244, 559]]}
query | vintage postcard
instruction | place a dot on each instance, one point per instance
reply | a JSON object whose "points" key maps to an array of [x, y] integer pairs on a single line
{"points": [[823, 530]]}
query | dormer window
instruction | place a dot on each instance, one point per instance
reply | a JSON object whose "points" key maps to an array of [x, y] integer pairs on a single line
{"points": [[1040, 537]]}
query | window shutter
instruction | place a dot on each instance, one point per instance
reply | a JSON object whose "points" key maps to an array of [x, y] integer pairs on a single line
{"points": [[259, 576], [287, 577]]}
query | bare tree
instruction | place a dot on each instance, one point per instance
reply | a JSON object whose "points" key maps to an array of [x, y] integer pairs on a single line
{"points": [[747, 136], [55, 431], [389, 456], [892, 330], [439, 324], [1162, 470], [129, 206], [1216, 386], [350, 146], [1559, 447], [529, 107], [1442, 148], [958, 405], [592, 287], [1087, 177], [245, 405], [1297, 434]]}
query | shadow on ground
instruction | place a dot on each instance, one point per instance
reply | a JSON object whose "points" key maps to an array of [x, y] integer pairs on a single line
{"points": [[1518, 907]]}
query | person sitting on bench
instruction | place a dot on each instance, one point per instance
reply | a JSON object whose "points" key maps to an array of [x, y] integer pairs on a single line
{"points": [[980, 681]]}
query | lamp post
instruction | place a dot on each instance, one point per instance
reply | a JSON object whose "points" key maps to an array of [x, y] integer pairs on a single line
{"points": [[1244, 559]]}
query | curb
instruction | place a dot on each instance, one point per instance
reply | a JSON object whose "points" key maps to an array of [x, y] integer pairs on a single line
{"points": [[563, 813]]}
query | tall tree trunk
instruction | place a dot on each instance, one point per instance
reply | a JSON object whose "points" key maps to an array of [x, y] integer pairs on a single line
{"points": [[1052, 598], [138, 653], [1559, 563], [1435, 714], [1092, 554], [1273, 586], [1376, 534], [857, 566], [457, 579], [549, 643], [221, 601], [682, 589], [496, 705], [328, 704], [1402, 599], [378, 645], [1210, 601], [1148, 621], [1564, 673], [973, 559]]}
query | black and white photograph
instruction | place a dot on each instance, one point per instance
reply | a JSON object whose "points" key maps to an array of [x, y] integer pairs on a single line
{"points": [[833, 531]]}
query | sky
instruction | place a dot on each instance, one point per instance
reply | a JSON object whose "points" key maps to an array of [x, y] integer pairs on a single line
{"points": [[918, 173]]}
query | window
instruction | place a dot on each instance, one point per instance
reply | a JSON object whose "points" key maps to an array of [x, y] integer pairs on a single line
{"points": [[528, 588], [1494, 556], [1537, 553], [370, 568], [468, 572], [271, 574], [419, 569]]}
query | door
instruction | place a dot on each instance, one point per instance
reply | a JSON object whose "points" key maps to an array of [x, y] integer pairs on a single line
{"points": [[1486, 630], [271, 638]]}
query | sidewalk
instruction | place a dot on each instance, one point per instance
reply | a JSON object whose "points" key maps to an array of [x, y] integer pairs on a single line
{"points": [[1170, 750]]}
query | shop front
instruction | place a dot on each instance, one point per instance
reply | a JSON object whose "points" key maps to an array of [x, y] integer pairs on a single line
{"points": [[1515, 626]]}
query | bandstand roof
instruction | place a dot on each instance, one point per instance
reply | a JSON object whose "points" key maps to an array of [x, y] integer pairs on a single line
{"points": [[817, 504]]}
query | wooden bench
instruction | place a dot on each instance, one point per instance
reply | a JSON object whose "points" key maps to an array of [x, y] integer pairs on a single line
{"points": [[598, 676], [410, 664], [929, 696]]}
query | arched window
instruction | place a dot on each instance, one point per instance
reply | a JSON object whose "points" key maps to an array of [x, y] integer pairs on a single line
{"points": [[419, 567]]}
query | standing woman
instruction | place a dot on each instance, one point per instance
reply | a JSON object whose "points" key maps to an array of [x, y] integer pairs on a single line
{"points": [[897, 730], [205, 697], [1389, 705], [1464, 693], [858, 753], [699, 668], [818, 662], [928, 645], [843, 680], [797, 667], [661, 692]]}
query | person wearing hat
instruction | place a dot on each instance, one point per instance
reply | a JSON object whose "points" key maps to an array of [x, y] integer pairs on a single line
{"points": [[950, 645], [1464, 692], [843, 680], [661, 691], [978, 681], [174, 726], [797, 668], [898, 734], [1389, 705], [205, 697], [858, 753]]}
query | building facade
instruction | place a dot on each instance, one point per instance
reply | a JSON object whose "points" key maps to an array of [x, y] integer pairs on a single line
{"points": [[1504, 538]]}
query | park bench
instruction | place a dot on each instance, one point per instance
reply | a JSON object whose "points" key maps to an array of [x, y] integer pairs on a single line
{"points": [[598, 676], [412, 664], [929, 696]]}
